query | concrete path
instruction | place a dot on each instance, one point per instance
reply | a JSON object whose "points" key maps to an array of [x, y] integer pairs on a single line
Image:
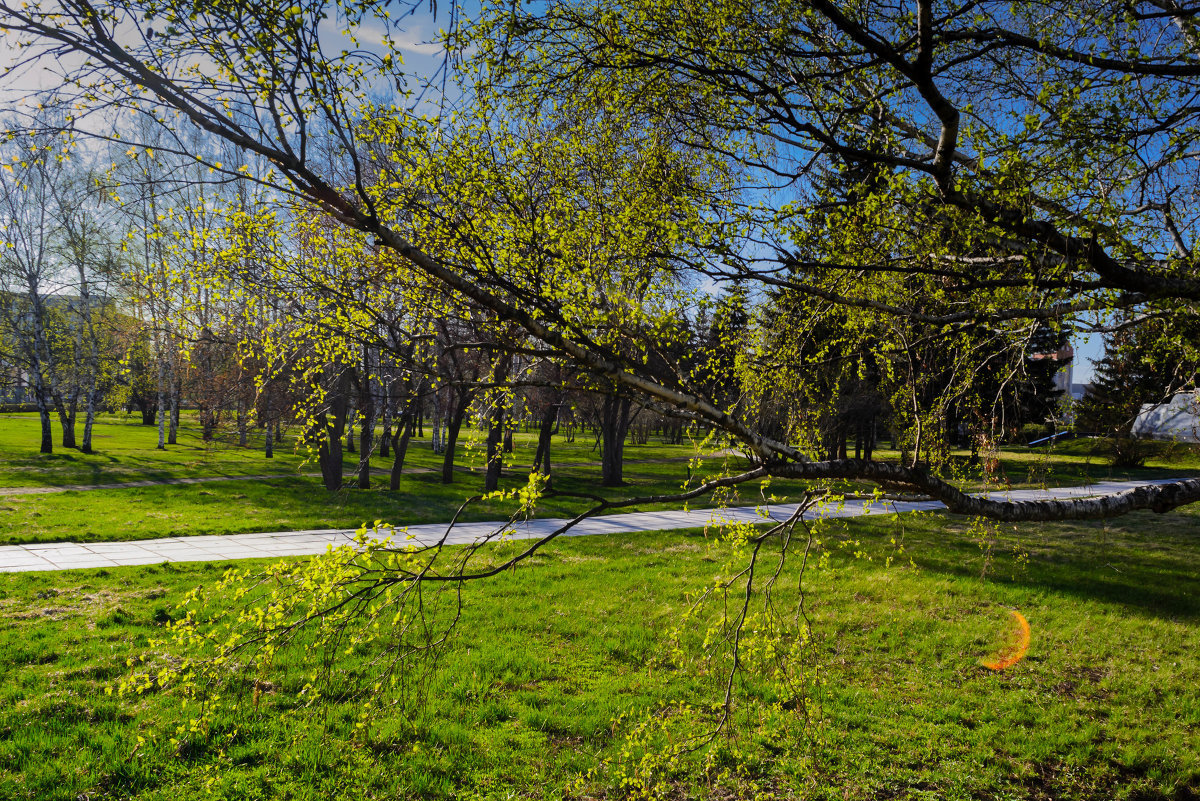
{"points": [[70, 555]]}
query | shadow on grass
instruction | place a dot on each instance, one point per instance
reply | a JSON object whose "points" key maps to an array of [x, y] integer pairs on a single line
{"points": [[1143, 562]]}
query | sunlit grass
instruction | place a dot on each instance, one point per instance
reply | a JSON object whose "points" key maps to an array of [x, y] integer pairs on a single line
{"points": [[560, 664]]}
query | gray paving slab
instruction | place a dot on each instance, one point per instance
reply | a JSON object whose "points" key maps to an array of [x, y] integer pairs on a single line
{"points": [[212, 547]]}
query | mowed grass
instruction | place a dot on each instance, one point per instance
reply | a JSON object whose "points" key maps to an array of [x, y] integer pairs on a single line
{"points": [[291, 504], [126, 451], [294, 499], [561, 682], [1086, 460]]}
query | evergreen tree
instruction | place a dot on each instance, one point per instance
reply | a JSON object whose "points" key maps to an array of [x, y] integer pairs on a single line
{"points": [[1143, 364], [1036, 397]]}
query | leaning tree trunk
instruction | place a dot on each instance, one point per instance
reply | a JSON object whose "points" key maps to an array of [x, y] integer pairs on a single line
{"points": [[614, 424], [453, 426], [89, 417], [546, 432], [495, 439], [400, 442]]}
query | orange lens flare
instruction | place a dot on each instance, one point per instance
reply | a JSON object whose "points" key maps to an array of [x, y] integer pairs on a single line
{"points": [[1018, 644]]}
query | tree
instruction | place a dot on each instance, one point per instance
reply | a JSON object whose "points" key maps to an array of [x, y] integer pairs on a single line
{"points": [[607, 160], [31, 272], [1144, 364]]}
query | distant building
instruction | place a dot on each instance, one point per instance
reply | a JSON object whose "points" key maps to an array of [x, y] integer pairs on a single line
{"points": [[1178, 419], [1064, 356]]}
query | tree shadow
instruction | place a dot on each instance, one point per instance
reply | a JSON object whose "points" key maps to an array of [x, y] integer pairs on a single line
{"points": [[1146, 563]]}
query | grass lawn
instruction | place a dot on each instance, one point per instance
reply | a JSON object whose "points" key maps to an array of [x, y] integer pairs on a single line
{"points": [[293, 501], [126, 452], [290, 504], [561, 682]]}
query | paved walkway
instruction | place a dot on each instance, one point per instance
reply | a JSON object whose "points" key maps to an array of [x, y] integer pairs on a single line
{"points": [[70, 555]]}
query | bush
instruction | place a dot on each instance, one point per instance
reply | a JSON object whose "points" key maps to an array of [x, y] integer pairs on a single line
{"points": [[1032, 431]]}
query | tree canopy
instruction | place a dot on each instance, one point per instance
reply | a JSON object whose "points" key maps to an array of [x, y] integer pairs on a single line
{"points": [[926, 185]]}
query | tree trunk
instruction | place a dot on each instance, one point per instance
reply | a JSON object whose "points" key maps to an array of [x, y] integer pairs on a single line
{"points": [[162, 405], [243, 434], [495, 459], [268, 445], [435, 439], [333, 424], [66, 417], [454, 424], [176, 399], [89, 417], [496, 432], [400, 445], [366, 435], [208, 422], [614, 424], [47, 445], [93, 358], [385, 441], [546, 432]]}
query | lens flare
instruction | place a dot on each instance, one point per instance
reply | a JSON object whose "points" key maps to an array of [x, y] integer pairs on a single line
{"points": [[1015, 650]]}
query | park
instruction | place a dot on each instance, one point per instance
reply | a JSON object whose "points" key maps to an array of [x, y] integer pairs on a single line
{"points": [[580, 400]]}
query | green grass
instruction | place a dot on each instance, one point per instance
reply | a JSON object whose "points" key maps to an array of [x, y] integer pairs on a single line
{"points": [[295, 501], [1085, 460], [290, 504], [126, 451], [299, 501], [559, 665]]}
